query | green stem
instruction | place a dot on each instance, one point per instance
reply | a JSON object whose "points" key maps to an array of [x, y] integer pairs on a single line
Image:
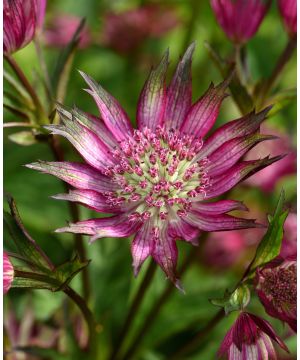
{"points": [[281, 63], [74, 212], [136, 303], [197, 339], [156, 307], [23, 79]]}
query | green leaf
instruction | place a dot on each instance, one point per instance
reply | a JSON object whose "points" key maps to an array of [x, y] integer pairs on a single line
{"points": [[269, 246], [18, 88], [233, 301], [24, 138]]}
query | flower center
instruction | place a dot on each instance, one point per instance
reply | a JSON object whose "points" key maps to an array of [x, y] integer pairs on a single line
{"points": [[157, 174]]}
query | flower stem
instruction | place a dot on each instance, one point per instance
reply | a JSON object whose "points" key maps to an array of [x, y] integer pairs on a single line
{"points": [[23, 79], [135, 305], [282, 61], [198, 337], [74, 212], [156, 307]]}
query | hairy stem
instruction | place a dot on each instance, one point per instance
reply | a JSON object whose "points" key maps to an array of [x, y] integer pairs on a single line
{"points": [[282, 61], [135, 305], [24, 81], [196, 340]]}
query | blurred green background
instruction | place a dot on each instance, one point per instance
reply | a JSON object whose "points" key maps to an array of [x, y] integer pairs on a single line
{"points": [[112, 281]]}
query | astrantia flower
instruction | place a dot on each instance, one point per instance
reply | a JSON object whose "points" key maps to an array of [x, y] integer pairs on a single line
{"points": [[157, 179], [8, 273], [288, 11], [126, 30], [276, 286], [240, 19], [250, 337], [62, 29], [20, 20]]}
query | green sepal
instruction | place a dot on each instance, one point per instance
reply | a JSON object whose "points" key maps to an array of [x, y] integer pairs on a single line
{"points": [[24, 138], [234, 301]]}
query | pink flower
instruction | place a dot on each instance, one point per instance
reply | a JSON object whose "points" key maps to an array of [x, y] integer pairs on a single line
{"points": [[240, 19], [20, 21], [288, 11], [250, 337], [276, 286], [8, 273], [268, 178], [125, 31], [159, 179], [62, 29], [289, 242]]}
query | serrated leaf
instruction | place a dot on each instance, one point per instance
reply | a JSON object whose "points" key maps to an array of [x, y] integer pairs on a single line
{"points": [[269, 246], [24, 138], [237, 300]]}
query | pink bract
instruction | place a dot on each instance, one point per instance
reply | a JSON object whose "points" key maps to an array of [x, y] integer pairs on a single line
{"points": [[125, 31], [157, 180], [8, 273], [276, 286], [288, 11], [269, 177], [250, 337], [62, 29], [240, 19], [21, 18]]}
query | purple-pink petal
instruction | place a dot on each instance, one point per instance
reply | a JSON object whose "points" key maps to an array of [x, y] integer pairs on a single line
{"points": [[218, 207], [152, 101], [203, 114], [8, 273], [179, 92], [112, 113], [288, 11], [78, 175]]}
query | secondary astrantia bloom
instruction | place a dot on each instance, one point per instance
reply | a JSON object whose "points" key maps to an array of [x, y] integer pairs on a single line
{"points": [[240, 19], [62, 29], [126, 30], [157, 179], [8, 273], [20, 20], [276, 286], [288, 11], [250, 337]]}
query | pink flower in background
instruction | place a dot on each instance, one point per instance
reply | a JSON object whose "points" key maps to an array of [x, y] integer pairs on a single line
{"points": [[268, 177], [8, 273], [21, 18], [250, 337], [240, 19], [62, 28], [127, 30], [276, 286], [288, 11], [159, 179], [289, 242]]}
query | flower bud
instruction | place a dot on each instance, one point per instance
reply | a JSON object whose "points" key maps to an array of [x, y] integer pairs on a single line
{"points": [[20, 20], [288, 11], [240, 19], [8, 273], [276, 286], [250, 337]]}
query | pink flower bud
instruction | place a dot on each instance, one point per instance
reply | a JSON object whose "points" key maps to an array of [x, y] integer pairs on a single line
{"points": [[240, 19], [8, 273], [288, 11], [21, 18], [250, 338], [276, 286]]}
